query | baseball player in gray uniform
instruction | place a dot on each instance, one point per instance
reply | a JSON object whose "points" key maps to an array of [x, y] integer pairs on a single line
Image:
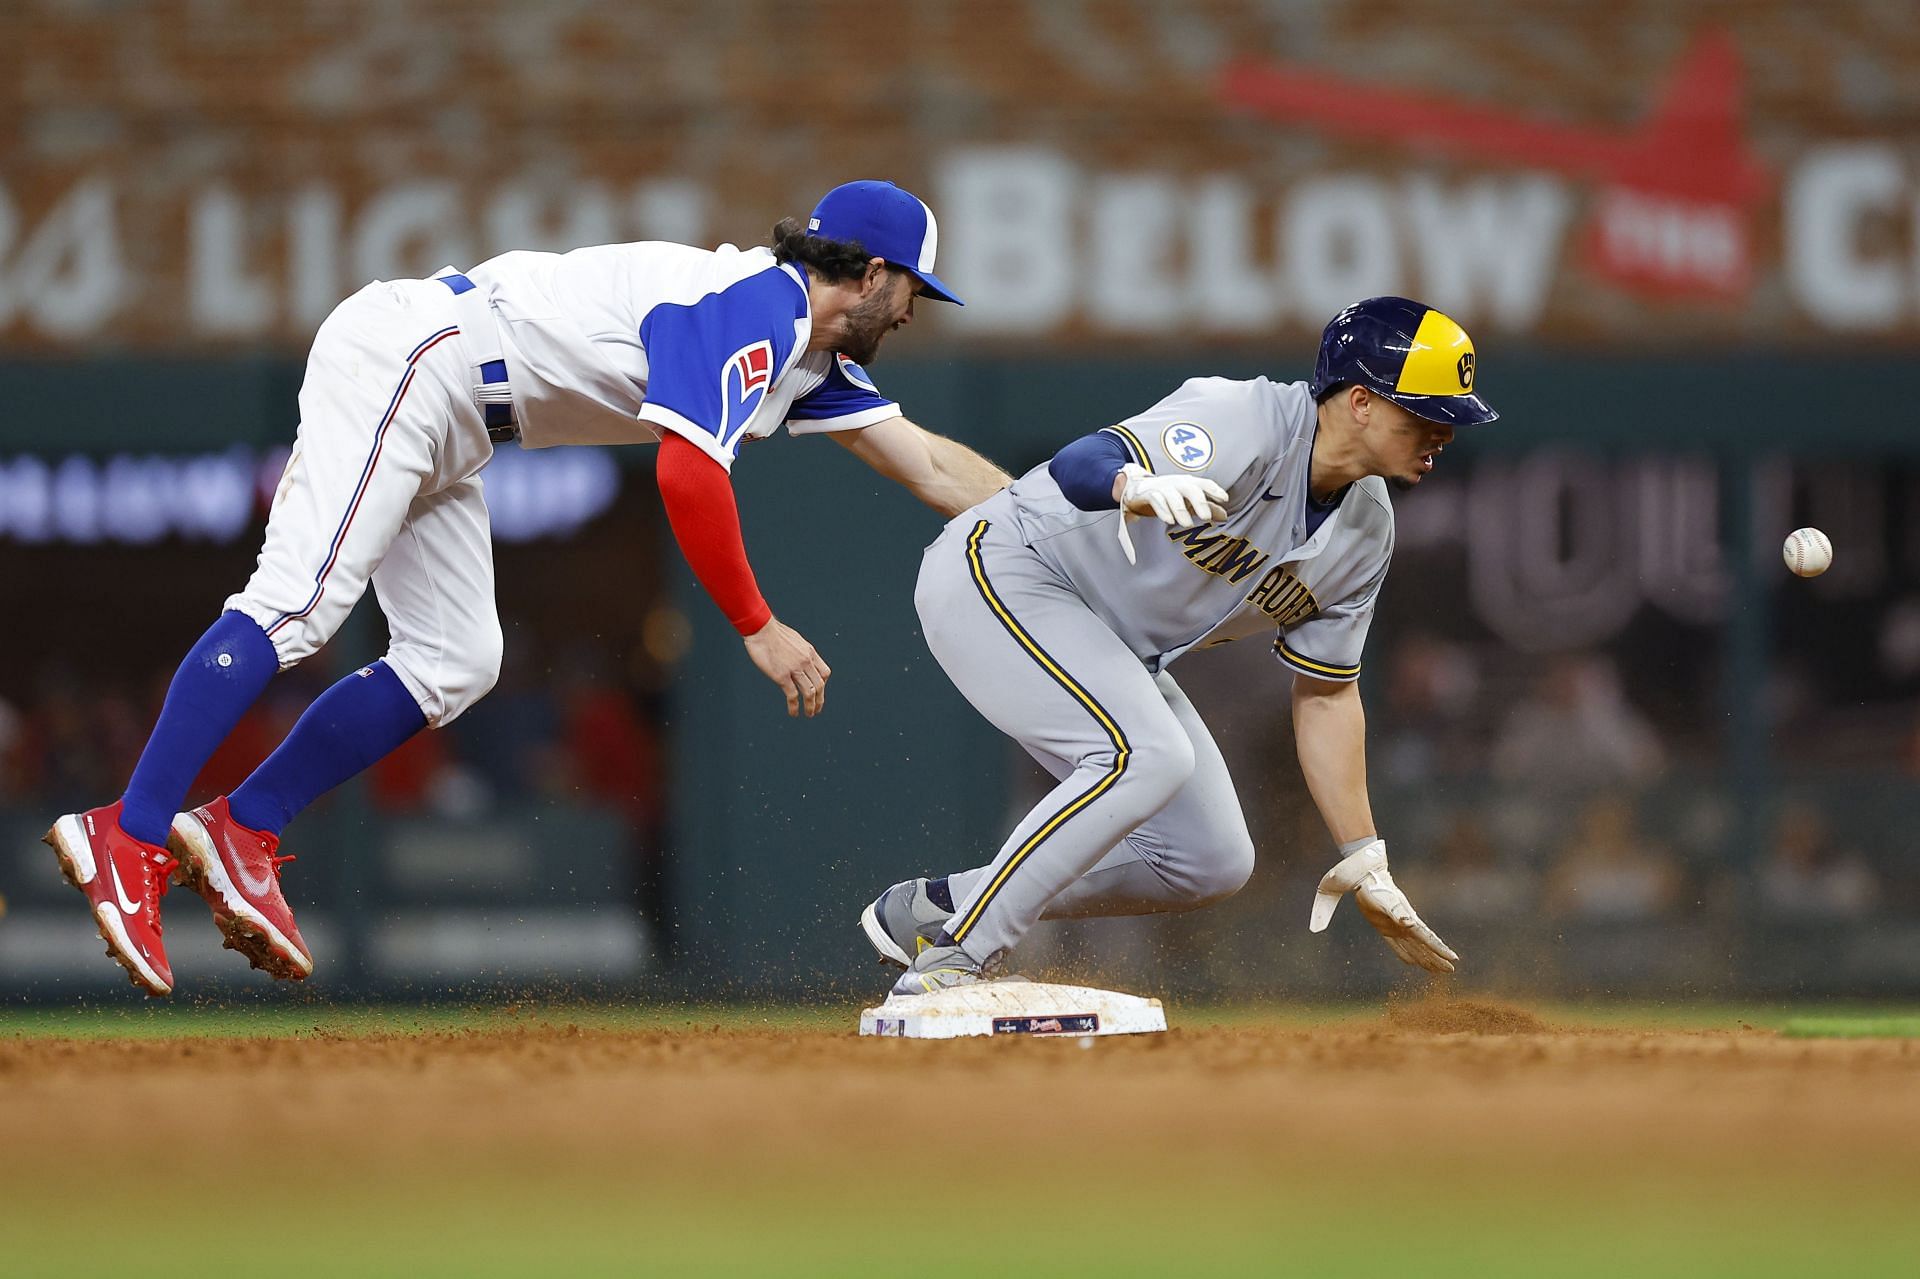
{"points": [[1261, 509]]}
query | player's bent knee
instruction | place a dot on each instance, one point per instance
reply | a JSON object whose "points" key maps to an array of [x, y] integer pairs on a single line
{"points": [[448, 684], [475, 685], [1158, 765], [1225, 873], [474, 676]]}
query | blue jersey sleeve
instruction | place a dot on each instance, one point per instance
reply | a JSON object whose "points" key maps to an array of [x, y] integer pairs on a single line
{"points": [[712, 362], [1084, 470], [846, 400]]}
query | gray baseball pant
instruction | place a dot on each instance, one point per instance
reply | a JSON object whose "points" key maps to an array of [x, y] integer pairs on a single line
{"points": [[1145, 818]]}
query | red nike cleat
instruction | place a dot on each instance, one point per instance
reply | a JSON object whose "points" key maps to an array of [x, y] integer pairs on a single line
{"points": [[124, 881], [238, 873]]}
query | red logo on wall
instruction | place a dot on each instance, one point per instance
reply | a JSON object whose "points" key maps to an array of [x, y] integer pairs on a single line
{"points": [[1673, 215]]}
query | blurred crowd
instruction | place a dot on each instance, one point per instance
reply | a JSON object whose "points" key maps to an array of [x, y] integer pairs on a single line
{"points": [[1606, 861], [575, 732], [1560, 798], [1556, 796]]}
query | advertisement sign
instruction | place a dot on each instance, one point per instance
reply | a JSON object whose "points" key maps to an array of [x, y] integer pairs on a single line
{"points": [[1143, 171]]}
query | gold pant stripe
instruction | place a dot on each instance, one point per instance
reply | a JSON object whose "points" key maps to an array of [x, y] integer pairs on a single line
{"points": [[1122, 751]]}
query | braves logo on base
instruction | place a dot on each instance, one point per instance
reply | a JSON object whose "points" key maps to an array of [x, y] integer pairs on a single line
{"points": [[1066, 1024]]}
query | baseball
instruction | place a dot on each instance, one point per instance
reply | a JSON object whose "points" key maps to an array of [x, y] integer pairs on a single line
{"points": [[1808, 553]]}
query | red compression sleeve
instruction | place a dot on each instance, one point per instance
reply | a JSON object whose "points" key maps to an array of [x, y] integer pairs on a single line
{"points": [[698, 495]]}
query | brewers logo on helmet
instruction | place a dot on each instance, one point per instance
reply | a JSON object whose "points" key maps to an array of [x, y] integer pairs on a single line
{"points": [[1418, 357]]}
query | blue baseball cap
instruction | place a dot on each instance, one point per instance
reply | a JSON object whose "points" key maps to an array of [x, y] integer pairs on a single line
{"points": [[889, 222]]}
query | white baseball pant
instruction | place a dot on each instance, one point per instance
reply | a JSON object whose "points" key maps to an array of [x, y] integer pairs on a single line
{"points": [[383, 485]]}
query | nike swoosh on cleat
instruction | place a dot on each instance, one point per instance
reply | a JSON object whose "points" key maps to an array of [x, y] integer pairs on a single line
{"points": [[260, 887], [127, 905]]}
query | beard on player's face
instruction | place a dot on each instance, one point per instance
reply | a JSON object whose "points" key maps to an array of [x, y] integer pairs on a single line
{"points": [[886, 307]]}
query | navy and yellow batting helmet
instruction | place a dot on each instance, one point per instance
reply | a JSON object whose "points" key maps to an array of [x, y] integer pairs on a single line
{"points": [[1418, 357]]}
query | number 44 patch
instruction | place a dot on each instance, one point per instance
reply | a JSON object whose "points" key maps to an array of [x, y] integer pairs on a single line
{"points": [[1188, 444]]}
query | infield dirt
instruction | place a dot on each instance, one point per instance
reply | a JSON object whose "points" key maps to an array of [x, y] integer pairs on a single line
{"points": [[1443, 1138]]}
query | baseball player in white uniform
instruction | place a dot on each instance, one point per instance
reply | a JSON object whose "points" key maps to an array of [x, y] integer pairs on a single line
{"points": [[409, 387], [1262, 509]]}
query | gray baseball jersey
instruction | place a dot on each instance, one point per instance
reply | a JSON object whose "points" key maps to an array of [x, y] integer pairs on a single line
{"points": [[1031, 608], [1254, 572]]}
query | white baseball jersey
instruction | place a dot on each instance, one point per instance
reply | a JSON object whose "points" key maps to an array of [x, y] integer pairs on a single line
{"points": [[605, 345], [613, 344], [1250, 574]]}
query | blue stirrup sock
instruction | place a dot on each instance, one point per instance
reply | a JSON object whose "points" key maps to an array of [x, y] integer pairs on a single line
{"points": [[223, 675], [350, 727]]}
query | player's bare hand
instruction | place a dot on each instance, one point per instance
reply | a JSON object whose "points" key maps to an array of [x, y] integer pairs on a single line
{"points": [[784, 656], [1365, 875], [1180, 501]]}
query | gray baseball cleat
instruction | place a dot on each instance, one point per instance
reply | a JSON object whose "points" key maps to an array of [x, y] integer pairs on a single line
{"points": [[902, 922], [937, 968]]}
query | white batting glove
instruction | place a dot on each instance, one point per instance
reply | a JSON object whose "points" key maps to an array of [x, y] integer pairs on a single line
{"points": [[1181, 501], [1364, 874]]}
